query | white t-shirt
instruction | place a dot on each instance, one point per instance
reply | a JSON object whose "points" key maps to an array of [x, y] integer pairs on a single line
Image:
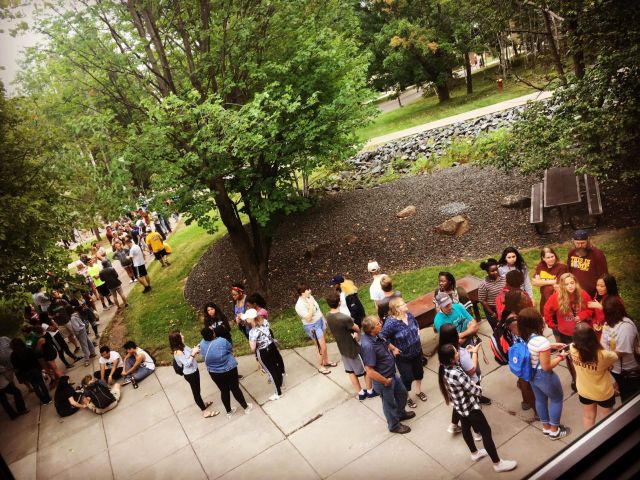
{"points": [[375, 290], [466, 362], [343, 305], [41, 300], [110, 362], [136, 255], [302, 309], [148, 363], [537, 344], [621, 338]]}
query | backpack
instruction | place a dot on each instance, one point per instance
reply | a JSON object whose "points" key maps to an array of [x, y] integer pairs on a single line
{"points": [[500, 342], [520, 359], [99, 394], [177, 367]]}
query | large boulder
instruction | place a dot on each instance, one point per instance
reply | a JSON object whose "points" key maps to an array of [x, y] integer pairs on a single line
{"points": [[455, 226], [406, 212], [516, 201]]}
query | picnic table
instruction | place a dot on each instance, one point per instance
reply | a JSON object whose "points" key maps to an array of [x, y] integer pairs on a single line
{"points": [[424, 309], [561, 189]]}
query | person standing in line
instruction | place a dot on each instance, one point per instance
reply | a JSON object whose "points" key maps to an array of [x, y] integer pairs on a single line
{"points": [[586, 262], [314, 325], [111, 279], [155, 243], [139, 265], [346, 333], [51, 327], [547, 273], [513, 283], [216, 320], [595, 384], [350, 303], [389, 294], [265, 348], [93, 268], [80, 331], [60, 310], [489, 289], [7, 387], [223, 370], [185, 357], [511, 259], [239, 298], [40, 299], [545, 382], [375, 290], [457, 388], [122, 255], [259, 304], [403, 332], [378, 358]]}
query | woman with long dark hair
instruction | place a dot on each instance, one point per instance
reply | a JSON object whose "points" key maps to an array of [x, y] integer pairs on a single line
{"points": [[489, 290], [592, 363], [605, 285], [264, 346], [185, 357], [548, 270], [619, 335], [511, 259], [456, 387], [216, 320]]}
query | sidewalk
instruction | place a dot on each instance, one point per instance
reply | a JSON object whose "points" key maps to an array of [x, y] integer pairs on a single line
{"points": [[479, 112], [316, 430]]}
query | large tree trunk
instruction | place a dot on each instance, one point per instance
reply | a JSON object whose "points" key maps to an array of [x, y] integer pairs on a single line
{"points": [[467, 67], [96, 232], [554, 48], [575, 44], [443, 92]]}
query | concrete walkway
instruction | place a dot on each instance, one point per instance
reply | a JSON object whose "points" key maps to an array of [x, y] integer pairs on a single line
{"points": [[478, 112], [316, 430]]}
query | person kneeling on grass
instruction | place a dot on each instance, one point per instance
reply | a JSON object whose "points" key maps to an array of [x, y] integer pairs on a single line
{"points": [[138, 364], [98, 397]]}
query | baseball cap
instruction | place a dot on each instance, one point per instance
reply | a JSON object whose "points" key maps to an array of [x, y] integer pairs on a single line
{"points": [[373, 266], [337, 280], [249, 314], [580, 235], [443, 299]]}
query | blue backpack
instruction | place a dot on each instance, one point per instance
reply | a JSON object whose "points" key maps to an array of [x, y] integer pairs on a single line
{"points": [[520, 359]]}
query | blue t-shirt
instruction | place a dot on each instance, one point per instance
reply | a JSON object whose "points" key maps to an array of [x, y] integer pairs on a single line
{"points": [[406, 337], [218, 356], [375, 353], [459, 317]]}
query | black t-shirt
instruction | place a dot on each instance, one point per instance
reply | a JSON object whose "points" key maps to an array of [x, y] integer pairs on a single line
{"points": [[61, 400], [220, 327], [110, 277]]}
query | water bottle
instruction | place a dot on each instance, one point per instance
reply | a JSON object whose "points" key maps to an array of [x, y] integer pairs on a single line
{"points": [[134, 383]]}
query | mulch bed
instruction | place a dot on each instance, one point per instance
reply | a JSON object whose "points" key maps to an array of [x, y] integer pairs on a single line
{"points": [[311, 246]]}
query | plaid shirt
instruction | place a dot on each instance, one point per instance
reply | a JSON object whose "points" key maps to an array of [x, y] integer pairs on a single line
{"points": [[462, 391]]}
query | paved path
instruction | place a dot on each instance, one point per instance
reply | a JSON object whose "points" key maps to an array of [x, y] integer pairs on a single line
{"points": [[316, 430], [478, 112]]}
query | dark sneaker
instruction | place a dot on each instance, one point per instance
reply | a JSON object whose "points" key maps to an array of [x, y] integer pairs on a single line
{"points": [[373, 394], [362, 396], [126, 381], [407, 416], [485, 400], [411, 403], [560, 433], [525, 406], [146, 290], [401, 429]]}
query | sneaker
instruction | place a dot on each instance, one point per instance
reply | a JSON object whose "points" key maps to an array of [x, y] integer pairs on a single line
{"points": [[76, 350], [401, 429], [127, 381], [476, 437], [525, 406], [560, 433], [505, 465], [362, 396], [247, 410], [411, 403], [274, 397], [131, 281], [480, 453], [86, 363], [485, 400], [146, 290], [453, 428], [230, 414], [372, 394]]}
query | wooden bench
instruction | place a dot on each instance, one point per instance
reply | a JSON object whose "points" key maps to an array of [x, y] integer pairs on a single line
{"points": [[536, 216], [425, 311], [594, 201]]}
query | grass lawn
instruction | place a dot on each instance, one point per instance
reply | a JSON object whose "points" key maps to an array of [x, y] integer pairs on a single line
{"points": [[429, 109], [150, 317]]}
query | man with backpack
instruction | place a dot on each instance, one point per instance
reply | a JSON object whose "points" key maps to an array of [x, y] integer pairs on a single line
{"points": [[98, 397]]}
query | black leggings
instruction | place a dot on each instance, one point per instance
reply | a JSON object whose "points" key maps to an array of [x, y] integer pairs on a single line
{"points": [[227, 382], [194, 382], [479, 423], [62, 347], [268, 358], [12, 390]]}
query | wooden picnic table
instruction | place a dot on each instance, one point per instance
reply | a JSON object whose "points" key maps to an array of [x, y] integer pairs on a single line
{"points": [[425, 311]]}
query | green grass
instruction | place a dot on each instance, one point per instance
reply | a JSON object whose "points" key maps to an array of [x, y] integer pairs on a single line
{"points": [[429, 109]]}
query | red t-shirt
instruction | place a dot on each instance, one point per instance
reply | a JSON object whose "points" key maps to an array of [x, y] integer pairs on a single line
{"points": [[588, 269], [547, 273], [566, 323]]}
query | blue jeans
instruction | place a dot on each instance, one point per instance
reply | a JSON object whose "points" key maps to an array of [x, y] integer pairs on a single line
{"points": [[141, 372], [394, 400], [548, 392]]}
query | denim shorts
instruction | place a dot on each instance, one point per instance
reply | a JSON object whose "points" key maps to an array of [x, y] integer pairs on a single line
{"points": [[317, 327]]}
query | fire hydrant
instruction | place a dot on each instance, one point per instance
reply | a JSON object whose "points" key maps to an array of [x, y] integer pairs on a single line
{"points": [[499, 84]]}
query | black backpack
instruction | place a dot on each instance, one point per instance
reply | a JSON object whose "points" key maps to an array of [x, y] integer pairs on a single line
{"points": [[99, 394], [177, 367]]}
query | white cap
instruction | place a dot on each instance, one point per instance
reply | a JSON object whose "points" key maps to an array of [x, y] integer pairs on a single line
{"points": [[249, 314], [373, 266]]}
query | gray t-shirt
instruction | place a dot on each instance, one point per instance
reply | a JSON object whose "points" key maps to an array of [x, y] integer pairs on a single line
{"points": [[621, 338], [341, 326]]}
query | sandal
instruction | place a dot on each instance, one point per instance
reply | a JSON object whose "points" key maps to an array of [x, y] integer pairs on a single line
{"points": [[211, 414], [422, 396], [324, 372], [330, 364], [207, 404], [411, 403]]}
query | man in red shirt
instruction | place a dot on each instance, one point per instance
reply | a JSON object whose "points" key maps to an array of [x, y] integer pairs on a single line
{"points": [[586, 262]]}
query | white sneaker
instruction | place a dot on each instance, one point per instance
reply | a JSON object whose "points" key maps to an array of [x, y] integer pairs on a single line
{"points": [[476, 436], [233, 410], [505, 465], [247, 410], [481, 453], [274, 397], [453, 428]]}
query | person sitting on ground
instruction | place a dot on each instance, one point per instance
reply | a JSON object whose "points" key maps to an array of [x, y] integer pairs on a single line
{"points": [[456, 315], [458, 295], [110, 363], [138, 364], [155, 243], [346, 333], [389, 294], [350, 303], [98, 397], [489, 289], [110, 277], [67, 399]]}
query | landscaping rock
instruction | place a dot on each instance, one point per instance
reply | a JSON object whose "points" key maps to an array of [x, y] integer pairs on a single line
{"points": [[349, 239], [516, 201], [455, 226], [406, 212]]}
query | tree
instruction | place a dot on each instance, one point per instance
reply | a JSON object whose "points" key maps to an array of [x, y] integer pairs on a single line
{"points": [[225, 102]]}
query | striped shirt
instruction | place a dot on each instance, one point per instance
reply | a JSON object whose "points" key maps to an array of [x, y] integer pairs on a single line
{"points": [[462, 391], [489, 289]]}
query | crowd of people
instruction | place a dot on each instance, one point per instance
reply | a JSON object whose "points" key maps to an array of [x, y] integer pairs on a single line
{"points": [[381, 353]]}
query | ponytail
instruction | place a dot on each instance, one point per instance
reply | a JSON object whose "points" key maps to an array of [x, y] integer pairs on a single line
{"points": [[443, 389]]}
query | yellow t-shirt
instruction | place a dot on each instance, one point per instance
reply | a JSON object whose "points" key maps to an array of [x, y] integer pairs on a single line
{"points": [[154, 240], [594, 380]]}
